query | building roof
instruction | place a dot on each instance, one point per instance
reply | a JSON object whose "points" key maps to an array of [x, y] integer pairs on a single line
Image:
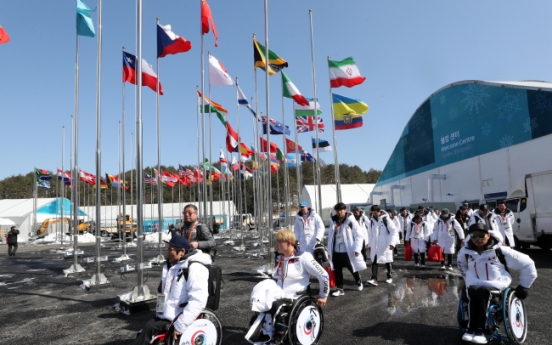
{"points": [[11, 208], [350, 194]]}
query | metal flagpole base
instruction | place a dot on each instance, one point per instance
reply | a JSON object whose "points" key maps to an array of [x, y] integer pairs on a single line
{"points": [[240, 248], [75, 268], [139, 299], [123, 257], [158, 260], [97, 280]]}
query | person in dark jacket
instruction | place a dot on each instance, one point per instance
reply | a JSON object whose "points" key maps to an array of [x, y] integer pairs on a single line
{"points": [[197, 233], [12, 240]]}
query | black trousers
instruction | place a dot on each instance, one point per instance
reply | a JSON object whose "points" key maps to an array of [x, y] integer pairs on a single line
{"points": [[153, 327], [449, 259], [340, 261], [12, 248], [479, 298], [375, 268], [422, 255]]}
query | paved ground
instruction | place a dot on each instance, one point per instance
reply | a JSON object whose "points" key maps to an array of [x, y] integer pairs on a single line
{"points": [[39, 305]]}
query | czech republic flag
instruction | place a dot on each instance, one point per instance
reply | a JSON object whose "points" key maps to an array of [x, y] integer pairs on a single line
{"points": [[149, 78], [169, 43]]}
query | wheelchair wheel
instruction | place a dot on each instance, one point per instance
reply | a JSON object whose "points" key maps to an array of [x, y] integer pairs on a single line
{"points": [[203, 330], [462, 313], [515, 317], [306, 322]]}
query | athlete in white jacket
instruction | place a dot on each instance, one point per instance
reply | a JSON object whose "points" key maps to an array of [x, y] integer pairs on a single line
{"points": [[309, 228], [445, 231], [382, 237], [485, 216], [505, 220], [404, 218], [175, 290], [417, 236], [485, 265], [363, 222], [397, 224]]}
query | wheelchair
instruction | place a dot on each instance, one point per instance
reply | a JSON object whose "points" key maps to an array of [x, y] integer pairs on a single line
{"points": [[297, 322], [202, 331], [504, 308]]}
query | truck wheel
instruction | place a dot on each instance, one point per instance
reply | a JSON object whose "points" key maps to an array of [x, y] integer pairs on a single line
{"points": [[545, 243]]}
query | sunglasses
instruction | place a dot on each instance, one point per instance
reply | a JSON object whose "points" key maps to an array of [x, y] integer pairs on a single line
{"points": [[478, 235]]}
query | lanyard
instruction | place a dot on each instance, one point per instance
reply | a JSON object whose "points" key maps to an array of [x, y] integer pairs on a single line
{"points": [[281, 266], [191, 231]]}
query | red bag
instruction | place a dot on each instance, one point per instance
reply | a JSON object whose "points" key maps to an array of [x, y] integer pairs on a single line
{"points": [[407, 252], [331, 274], [435, 254]]}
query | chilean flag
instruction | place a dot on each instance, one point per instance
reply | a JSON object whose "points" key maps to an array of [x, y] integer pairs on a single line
{"points": [[149, 78], [169, 43]]}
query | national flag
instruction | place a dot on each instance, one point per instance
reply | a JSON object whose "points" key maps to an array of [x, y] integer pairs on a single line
{"points": [[85, 27], [218, 75], [207, 20], [291, 162], [235, 164], [43, 178], [87, 177], [307, 124], [345, 105], [213, 107], [263, 148], [183, 171], [343, 122], [224, 167], [307, 157], [242, 100], [245, 150], [245, 172], [65, 176], [4, 37], [323, 145], [291, 91], [169, 43], [112, 181], [149, 78], [307, 110], [275, 63], [344, 73], [149, 179], [168, 178], [291, 146], [276, 128], [222, 159], [232, 139]]}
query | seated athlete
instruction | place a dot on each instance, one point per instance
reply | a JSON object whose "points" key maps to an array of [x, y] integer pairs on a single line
{"points": [[485, 265], [175, 290], [292, 273]]}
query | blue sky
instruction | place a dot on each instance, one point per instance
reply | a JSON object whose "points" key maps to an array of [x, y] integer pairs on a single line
{"points": [[405, 49]]}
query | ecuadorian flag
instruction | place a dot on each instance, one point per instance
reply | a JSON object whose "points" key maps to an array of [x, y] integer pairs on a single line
{"points": [[348, 111]]}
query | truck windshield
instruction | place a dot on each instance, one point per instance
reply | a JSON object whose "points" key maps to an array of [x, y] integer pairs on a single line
{"points": [[512, 205]]}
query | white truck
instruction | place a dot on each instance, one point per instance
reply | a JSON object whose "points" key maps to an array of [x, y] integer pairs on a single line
{"points": [[531, 201]]}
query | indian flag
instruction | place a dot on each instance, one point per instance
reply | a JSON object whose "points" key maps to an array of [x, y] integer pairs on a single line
{"points": [[344, 73], [213, 107], [307, 110], [291, 91]]}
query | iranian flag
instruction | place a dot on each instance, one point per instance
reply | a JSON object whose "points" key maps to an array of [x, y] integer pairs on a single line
{"points": [[344, 73], [291, 91]]}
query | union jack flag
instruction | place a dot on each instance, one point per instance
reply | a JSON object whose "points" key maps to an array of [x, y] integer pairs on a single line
{"points": [[307, 124]]}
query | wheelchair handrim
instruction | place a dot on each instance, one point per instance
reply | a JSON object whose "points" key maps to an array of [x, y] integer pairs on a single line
{"points": [[515, 318], [295, 325]]}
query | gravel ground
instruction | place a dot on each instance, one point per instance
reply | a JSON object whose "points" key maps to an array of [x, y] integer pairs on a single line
{"points": [[39, 305]]}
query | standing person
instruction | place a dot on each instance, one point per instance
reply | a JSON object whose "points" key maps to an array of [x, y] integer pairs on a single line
{"points": [[485, 266], [363, 222], [176, 289], [345, 241], [383, 237], [197, 233], [309, 228], [444, 235], [397, 224], [485, 216], [463, 218], [12, 240], [505, 221], [404, 217], [417, 235], [469, 210]]}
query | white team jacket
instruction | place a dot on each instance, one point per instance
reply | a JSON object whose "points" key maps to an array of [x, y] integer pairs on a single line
{"points": [[443, 233], [307, 239], [293, 274], [505, 225]]}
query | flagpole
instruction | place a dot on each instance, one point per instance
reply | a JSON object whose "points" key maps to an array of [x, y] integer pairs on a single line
{"points": [[203, 120], [298, 164], [132, 205], [198, 182], [286, 186], [120, 180], [62, 189], [70, 168], [35, 196], [240, 209], [336, 161], [160, 258], [257, 177], [211, 222], [319, 206], [124, 256]]}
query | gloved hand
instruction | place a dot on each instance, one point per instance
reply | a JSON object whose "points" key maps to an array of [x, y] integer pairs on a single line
{"points": [[522, 292]]}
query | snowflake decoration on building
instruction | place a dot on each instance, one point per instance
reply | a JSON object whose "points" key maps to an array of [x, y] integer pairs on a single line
{"points": [[416, 122], [474, 97], [507, 140], [453, 114], [443, 99], [543, 101], [399, 166], [486, 129], [508, 107], [434, 123], [530, 124]]}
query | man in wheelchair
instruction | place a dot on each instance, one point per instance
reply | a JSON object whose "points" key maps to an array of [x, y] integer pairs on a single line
{"points": [[178, 293], [270, 298], [485, 264]]}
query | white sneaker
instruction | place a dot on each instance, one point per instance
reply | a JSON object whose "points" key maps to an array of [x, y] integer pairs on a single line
{"points": [[449, 268], [338, 292], [417, 265], [372, 282], [479, 339], [360, 287], [468, 336], [443, 267], [389, 280], [395, 254]]}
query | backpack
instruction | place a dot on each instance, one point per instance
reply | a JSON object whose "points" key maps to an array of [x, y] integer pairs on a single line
{"points": [[213, 283], [384, 223]]}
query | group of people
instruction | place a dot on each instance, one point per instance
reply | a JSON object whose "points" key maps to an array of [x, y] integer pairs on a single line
{"points": [[352, 238]]}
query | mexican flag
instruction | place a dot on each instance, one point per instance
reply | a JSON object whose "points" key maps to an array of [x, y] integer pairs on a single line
{"points": [[291, 91], [344, 73]]}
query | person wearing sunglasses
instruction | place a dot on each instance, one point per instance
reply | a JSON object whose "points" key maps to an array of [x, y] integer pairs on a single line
{"points": [[197, 233], [485, 266], [484, 216]]}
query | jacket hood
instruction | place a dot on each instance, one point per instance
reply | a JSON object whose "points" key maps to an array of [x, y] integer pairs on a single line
{"points": [[196, 255], [491, 245], [482, 216], [311, 213], [347, 215], [382, 215], [497, 211]]}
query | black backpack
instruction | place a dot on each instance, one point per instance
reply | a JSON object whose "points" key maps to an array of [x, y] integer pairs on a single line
{"points": [[384, 223], [214, 283]]}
